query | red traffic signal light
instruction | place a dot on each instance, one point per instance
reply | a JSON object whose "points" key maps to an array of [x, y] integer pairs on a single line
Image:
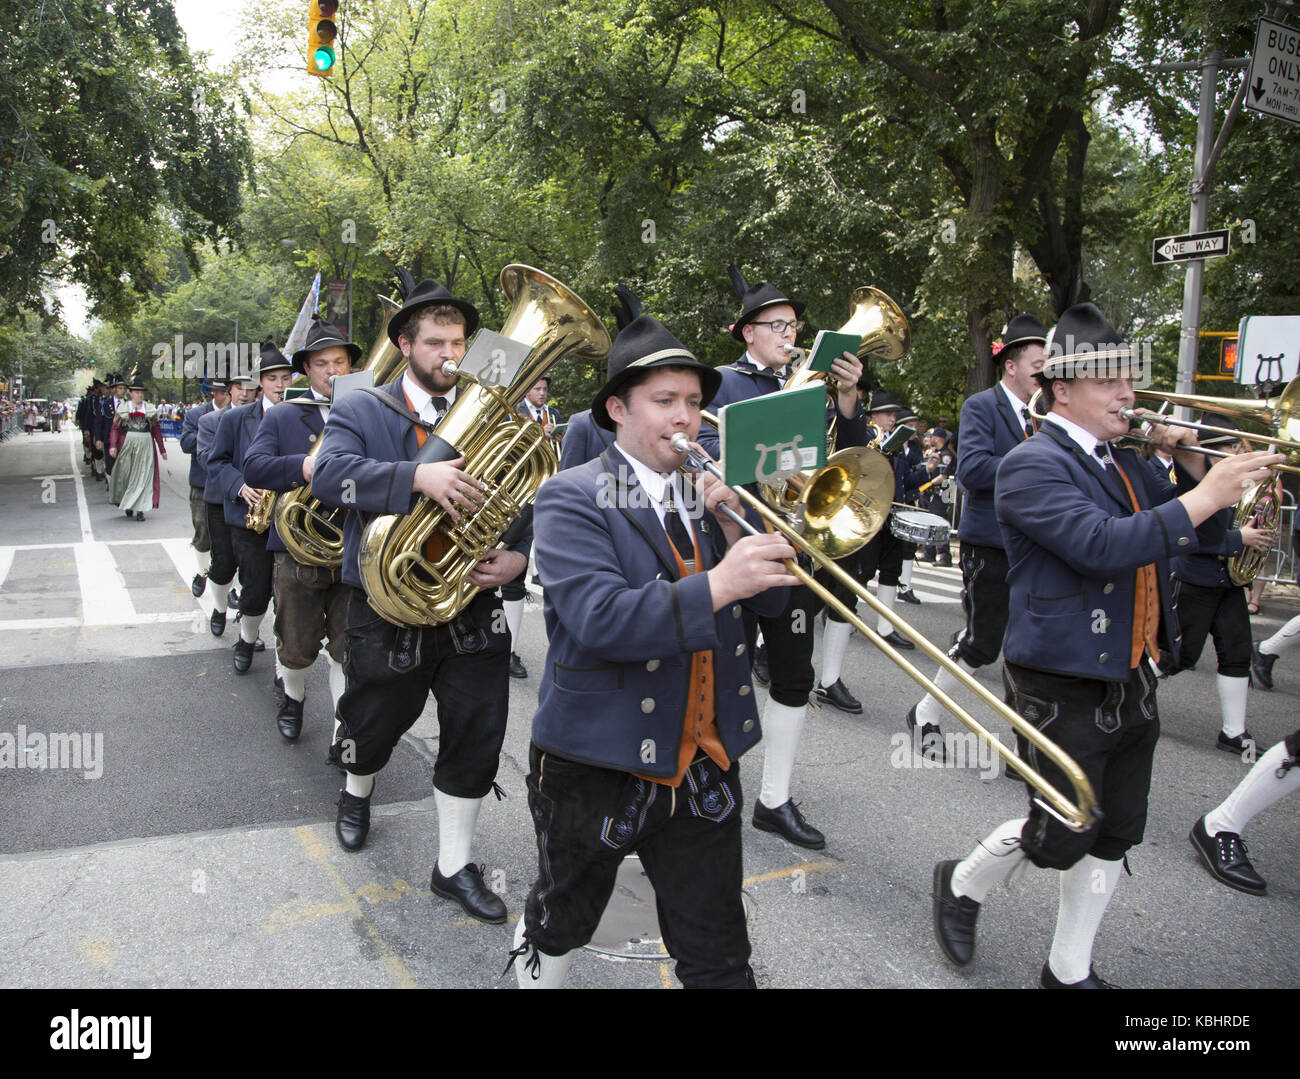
{"points": [[321, 32]]}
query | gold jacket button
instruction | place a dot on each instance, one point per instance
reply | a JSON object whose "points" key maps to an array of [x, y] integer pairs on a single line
{"points": [[745, 690], [652, 665], [648, 705]]}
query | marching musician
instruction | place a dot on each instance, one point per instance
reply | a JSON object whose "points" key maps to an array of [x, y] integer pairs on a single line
{"points": [[993, 422], [226, 464], [534, 407], [1210, 603], [643, 606], [767, 326], [914, 457], [583, 440], [202, 541], [366, 465], [940, 463], [310, 601], [1089, 530], [221, 568]]}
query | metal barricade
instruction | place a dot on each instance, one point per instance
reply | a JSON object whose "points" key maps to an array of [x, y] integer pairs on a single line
{"points": [[1279, 566]]}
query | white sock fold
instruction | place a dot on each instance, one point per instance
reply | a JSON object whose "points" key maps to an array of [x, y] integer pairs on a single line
{"points": [[1232, 704], [456, 820], [1086, 888], [338, 683], [929, 710], [360, 786], [1284, 639], [835, 641], [991, 862], [551, 969], [886, 593], [782, 728], [1256, 792], [218, 594], [295, 682], [249, 625], [514, 609]]}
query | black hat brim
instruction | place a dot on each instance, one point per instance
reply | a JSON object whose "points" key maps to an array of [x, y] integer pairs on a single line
{"points": [[403, 315], [750, 316], [299, 362], [710, 381]]}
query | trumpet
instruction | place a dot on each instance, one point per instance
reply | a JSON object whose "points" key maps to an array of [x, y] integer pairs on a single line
{"points": [[1079, 815]]}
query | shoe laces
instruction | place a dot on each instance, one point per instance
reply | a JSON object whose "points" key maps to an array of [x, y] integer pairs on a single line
{"points": [[1232, 848]]}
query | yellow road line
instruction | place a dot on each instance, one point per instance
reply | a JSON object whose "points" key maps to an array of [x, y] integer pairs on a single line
{"points": [[789, 871]]}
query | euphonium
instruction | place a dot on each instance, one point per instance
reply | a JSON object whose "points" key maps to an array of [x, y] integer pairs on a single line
{"points": [[1258, 508], [312, 531], [415, 567], [258, 518]]}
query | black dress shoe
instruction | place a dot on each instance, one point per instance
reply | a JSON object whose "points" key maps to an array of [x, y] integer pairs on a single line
{"points": [[352, 824], [1238, 744], [759, 668], [954, 917], [289, 718], [259, 645], [335, 756], [1261, 667], [466, 887], [945, 560], [517, 668], [232, 599], [198, 585], [217, 623], [932, 747], [1224, 855], [243, 656], [1048, 980], [139, 515], [898, 641], [787, 822], [908, 596], [837, 695]]}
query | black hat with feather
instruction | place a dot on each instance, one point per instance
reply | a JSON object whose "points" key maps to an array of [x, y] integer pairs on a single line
{"points": [[755, 299], [423, 294]]}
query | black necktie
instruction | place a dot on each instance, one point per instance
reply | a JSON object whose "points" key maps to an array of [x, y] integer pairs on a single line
{"points": [[678, 535], [1029, 424], [440, 404], [1103, 453]]}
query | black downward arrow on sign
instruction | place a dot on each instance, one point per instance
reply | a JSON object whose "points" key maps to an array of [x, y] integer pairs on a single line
{"points": [[1258, 88]]}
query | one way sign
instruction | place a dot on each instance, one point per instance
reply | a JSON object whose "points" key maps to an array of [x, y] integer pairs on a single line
{"points": [[1196, 245]]}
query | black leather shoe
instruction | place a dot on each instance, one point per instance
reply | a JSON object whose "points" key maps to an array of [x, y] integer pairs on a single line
{"points": [[837, 695], [1261, 667], [243, 656], [139, 515], [787, 822], [335, 756], [945, 561], [467, 888], [932, 747], [954, 917], [198, 585], [1237, 744], [1224, 855], [259, 645], [232, 599], [1048, 980], [217, 623], [898, 641], [517, 668], [352, 824], [759, 668], [289, 718], [908, 596]]}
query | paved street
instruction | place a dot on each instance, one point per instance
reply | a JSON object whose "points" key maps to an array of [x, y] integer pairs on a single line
{"points": [[191, 846]]}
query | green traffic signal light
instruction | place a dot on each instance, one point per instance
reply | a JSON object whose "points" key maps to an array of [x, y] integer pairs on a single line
{"points": [[323, 57]]}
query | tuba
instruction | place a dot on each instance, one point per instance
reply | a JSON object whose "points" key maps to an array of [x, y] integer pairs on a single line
{"points": [[312, 531], [1258, 508], [415, 567], [258, 518]]}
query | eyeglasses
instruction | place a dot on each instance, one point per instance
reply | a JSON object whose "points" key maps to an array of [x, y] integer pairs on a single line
{"points": [[779, 325]]}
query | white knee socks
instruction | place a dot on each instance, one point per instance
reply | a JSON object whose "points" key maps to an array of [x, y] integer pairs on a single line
{"points": [[338, 683], [782, 727], [991, 862], [219, 595], [1259, 790], [930, 710], [1232, 704], [886, 593], [835, 640], [249, 624], [456, 820], [1086, 888], [295, 682], [360, 786], [905, 574], [1283, 639], [514, 609], [551, 969]]}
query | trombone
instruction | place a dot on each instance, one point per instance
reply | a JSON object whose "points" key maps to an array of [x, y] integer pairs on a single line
{"points": [[1079, 815]]}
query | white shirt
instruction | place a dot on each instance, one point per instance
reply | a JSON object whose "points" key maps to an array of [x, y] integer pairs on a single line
{"points": [[1018, 406], [1085, 440], [656, 486], [422, 400]]}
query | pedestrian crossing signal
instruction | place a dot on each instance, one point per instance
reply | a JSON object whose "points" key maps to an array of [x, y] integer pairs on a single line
{"points": [[321, 32]]}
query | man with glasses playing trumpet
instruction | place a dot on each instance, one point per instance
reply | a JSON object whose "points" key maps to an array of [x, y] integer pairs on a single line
{"points": [[1089, 529], [767, 326]]}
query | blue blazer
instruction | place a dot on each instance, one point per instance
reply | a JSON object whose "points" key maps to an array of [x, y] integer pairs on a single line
{"points": [[1074, 545], [189, 440], [274, 458], [366, 465], [623, 625], [583, 441], [226, 459], [990, 430], [1217, 541], [204, 437]]}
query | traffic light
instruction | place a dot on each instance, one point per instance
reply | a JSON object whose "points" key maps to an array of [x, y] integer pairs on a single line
{"points": [[321, 32]]}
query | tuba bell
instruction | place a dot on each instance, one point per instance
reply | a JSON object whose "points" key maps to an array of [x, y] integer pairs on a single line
{"points": [[312, 531], [1258, 508], [415, 567]]}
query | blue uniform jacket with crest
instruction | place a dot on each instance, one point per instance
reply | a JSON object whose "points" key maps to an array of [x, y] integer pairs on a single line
{"points": [[189, 440], [226, 459], [366, 465], [1074, 545], [623, 626], [990, 430], [274, 458]]}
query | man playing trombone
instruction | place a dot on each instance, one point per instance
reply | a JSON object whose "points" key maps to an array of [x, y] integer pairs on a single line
{"points": [[1089, 530]]}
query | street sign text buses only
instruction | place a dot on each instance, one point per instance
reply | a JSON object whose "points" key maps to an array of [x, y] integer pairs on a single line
{"points": [[1196, 245], [1273, 81]]}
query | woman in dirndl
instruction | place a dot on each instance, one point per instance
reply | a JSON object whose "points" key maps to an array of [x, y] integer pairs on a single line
{"points": [[136, 442]]}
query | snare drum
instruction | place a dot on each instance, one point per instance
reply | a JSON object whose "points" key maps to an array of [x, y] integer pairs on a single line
{"points": [[919, 527]]}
